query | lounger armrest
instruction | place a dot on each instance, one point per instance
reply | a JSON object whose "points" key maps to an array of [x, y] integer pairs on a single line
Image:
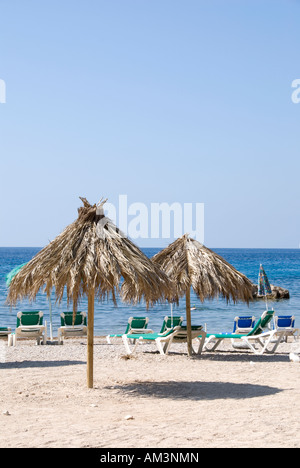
{"points": [[169, 331], [71, 327], [140, 331]]}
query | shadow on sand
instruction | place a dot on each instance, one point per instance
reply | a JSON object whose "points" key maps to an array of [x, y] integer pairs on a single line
{"points": [[195, 390], [242, 357], [28, 364]]}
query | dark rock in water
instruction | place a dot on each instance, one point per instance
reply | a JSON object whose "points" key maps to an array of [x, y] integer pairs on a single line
{"points": [[277, 293]]}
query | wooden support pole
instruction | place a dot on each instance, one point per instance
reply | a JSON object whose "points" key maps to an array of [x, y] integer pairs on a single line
{"points": [[90, 339], [188, 320]]}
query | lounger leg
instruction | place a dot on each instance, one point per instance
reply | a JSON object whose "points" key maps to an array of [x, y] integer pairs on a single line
{"points": [[264, 344], [214, 346], [59, 337], [201, 342], [251, 346], [168, 345], [126, 344], [276, 344], [159, 346]]}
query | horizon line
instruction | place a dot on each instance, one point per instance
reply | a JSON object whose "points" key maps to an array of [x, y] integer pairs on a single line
{"points": [[153, 247]]}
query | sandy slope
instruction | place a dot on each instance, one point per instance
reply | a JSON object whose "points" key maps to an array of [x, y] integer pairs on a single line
{"points": [[218, 400]]}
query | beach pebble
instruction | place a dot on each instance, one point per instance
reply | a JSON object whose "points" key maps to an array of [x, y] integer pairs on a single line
{"points": [[93, 405], [294, 357], [6, 413], [128, 417]]}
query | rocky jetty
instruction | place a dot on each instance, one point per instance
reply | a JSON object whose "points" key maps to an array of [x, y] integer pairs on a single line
{"points": [[277, 293]]}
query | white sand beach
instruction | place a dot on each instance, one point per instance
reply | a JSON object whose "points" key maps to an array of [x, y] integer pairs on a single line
{"points": [[223, 399]]}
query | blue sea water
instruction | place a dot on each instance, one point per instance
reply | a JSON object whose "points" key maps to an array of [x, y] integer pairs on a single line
{"points": [[281, 265]]}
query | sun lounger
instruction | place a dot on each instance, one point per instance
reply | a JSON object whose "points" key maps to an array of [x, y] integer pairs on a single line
{"points": [[135, 325], [181, 337], [243, 324], [30, 326], [5, 332], [287, 323], [171, 322], [257, 335], [164, 340], [68, 329], [168, 324]]}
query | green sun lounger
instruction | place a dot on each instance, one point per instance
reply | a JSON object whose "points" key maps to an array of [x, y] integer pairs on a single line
{"points": [[157, 338], [70, 329], [135, 325], [257, 335], [164, 340], [171, 322], [30, 325]]}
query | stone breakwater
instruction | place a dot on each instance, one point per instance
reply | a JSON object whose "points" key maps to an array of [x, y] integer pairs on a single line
{"points": [[277, 293]]}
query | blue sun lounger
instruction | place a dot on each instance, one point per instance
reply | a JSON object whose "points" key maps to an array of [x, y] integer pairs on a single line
{"points": [[287, 323], [243, 324]]}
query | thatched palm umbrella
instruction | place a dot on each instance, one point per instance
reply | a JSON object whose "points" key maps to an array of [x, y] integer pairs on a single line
{"points": [[190, 264], [91, 257]]}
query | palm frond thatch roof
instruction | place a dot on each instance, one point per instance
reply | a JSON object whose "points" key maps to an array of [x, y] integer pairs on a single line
{"points": [[189, 263], [91, 253]]}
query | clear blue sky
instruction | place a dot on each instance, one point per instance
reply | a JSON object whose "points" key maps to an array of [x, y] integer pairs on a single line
{"points": [[162, 100]]}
